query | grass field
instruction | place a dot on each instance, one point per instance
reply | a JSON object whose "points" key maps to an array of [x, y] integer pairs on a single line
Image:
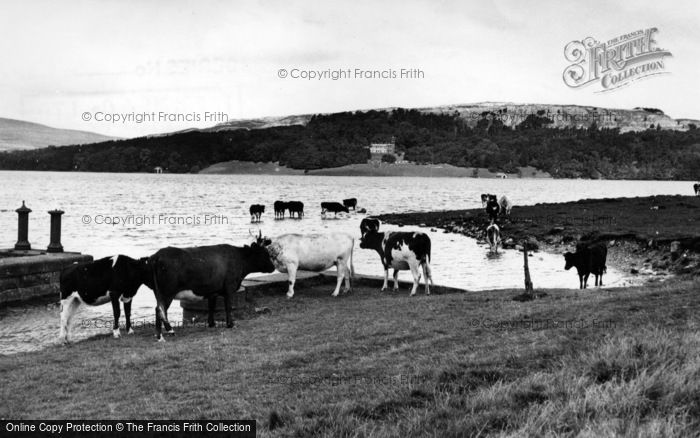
{"points": [[599, 362]]}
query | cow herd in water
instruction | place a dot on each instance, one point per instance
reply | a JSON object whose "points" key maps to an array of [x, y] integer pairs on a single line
{"points": [[218, 270]]}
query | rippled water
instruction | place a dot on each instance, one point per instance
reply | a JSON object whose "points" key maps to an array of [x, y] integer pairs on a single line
{"points": [[188, 210]]}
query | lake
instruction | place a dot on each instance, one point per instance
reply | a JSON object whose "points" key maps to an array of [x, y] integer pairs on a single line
{"points": [[136, 214]]}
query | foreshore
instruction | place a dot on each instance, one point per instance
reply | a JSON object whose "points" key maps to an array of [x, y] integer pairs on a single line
{"points": [[652, 235]]}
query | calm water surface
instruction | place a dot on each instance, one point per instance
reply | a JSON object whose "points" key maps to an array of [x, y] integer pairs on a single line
{"points": [[154, 211]]}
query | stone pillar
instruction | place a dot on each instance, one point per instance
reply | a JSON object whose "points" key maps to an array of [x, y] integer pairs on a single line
{"points": [[23, 228], [55, 244]]}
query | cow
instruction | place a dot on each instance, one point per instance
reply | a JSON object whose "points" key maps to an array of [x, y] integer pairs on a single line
{"points": [[492, 208], [256, 210], [295, 207], [485, 198], [505, 205], [280, 208], [369, 224], [696, 187], [333, 207], [493, 235], [313, 252], [351, 202], [110, 279], [401, 251], [588, 259], [206, 272]]}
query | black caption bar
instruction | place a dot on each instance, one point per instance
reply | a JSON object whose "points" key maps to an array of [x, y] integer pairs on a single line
{"points": [[215, 428]]}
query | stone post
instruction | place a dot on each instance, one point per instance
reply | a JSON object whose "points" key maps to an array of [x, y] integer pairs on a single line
{"points": [[55, 244], [23, 228]]}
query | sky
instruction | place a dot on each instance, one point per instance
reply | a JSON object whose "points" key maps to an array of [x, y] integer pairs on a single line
{"points": [[202, 62]]}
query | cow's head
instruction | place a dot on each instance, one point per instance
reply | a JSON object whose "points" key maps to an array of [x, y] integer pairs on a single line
{"points": [[372, 240], [144, 265], [570, 260], [492, 198], [258, 258]]}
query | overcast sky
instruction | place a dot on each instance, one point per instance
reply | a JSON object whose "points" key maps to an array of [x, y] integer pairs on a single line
{"points": [[61, 59]]}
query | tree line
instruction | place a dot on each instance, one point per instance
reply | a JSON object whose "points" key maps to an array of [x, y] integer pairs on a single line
{"points": [[339, 139]]}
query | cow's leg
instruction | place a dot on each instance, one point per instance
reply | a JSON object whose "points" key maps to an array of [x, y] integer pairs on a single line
{"points": [[396, 279], [292, 277], [580, 281], [348, 286], [341, 272], [426, 274], [127, 316], [386, 279], [416, 277], [227, 306], [212, 309], [166, 323], [68, 308], [116, 311], [585, 280], [601, 279]]}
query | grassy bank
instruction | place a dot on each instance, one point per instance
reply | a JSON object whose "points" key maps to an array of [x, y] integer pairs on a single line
{"points": [[597, 362], [639, 230]]}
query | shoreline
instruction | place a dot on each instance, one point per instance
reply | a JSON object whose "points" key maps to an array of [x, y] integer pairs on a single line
{"points": [[655, 235]]}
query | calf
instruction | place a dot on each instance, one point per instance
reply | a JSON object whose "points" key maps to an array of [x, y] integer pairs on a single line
{"points": [[493, 235], [696, 187], [369, 224], [280, 207], [351, 202], [313, 252], [505, 205], [256, 211], [401, 251], [588, 259], [204, 271], [333, 207], [111, 279], [296, 207]]}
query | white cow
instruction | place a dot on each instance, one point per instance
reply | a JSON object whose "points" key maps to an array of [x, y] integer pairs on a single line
{"points": [[313, 252], [505, 205], [493, 235]]}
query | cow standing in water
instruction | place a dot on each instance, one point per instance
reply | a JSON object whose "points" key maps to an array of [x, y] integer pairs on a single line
{"points": [[493, 235], [111, 279], [401, 251], [205, 272], [256, 211], [350, 203], [588, 259], [280, 207], [296, 208], [696, 187], [313, 252]]}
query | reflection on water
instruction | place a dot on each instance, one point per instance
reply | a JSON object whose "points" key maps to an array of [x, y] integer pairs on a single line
{"points": [[136, 214]]}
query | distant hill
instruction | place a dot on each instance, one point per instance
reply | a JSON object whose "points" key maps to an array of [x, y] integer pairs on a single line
{"points": [[21, 135], [511, 115]]}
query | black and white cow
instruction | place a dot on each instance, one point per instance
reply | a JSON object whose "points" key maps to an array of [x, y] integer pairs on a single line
{"points": [[295, 208], [333, 207], [369, 224], [493, 235], [313, 252], [280, 208], [205, 272], [111, 279], [256, 211], [492, 208], [588, 259], [401, 251], [485, 198], [696, 187], [350, 203]]}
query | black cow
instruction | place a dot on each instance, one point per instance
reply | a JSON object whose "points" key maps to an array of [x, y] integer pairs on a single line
{"points": [[205, 271], [280, 207], [350, 203], [696, 187], [98, 282], [369, 224], [333, 207], [588, 259], [492, 208], [485, 198], [295, 207], [256, 210], [401, 251]]}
